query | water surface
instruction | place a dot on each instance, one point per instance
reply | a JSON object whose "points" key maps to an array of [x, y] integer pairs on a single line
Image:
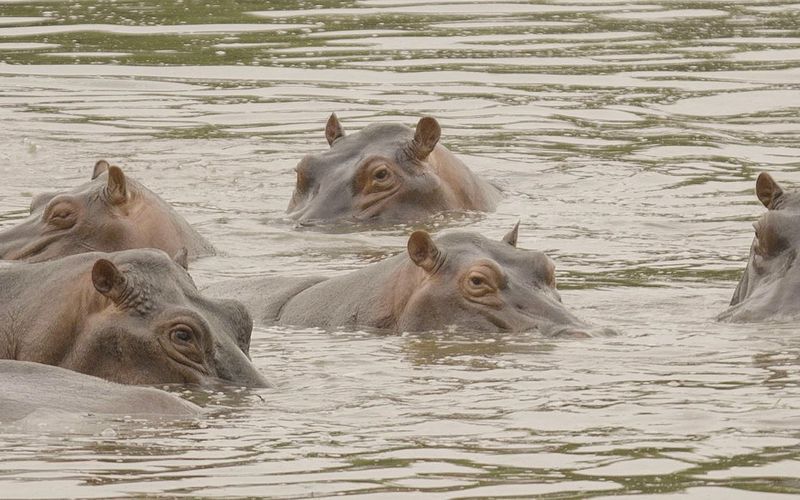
{"points": [[627, 136]]}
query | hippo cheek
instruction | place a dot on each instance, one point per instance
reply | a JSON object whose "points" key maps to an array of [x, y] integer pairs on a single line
{"points": [[233, 367]]}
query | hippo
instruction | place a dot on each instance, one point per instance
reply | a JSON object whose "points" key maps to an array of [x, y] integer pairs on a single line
{"points": [[460, 280], [133, 317], [770, 285], [28, 388], [387, 173], [111, 212]]}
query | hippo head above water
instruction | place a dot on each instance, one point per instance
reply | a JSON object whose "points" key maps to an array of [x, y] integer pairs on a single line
{"points": [[133, 317], [473, 283], [110, 213], [770, 285], [386, 172]]}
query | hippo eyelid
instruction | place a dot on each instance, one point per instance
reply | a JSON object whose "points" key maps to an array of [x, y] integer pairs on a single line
{"points": [[174, 320], [60, 211]]}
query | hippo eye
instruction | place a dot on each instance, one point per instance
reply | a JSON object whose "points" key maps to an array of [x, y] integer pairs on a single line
{"points": [[182, 334], [381, 174], [61, 215], [479, 284]]}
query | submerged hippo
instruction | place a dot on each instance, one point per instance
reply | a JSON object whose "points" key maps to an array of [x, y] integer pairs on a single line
{"points": [[109, 213], [133, 317], [28, 388], [385, 172], [770, 285], [460, 280]]}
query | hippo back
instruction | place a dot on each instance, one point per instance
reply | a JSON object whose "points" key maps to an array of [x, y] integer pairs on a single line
{"points": [[32, 387]]}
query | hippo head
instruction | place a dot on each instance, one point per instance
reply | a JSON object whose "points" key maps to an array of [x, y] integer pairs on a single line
{"points": [[380, 173], [771, 282], [141, 320], [478, 284], [107, 214]]}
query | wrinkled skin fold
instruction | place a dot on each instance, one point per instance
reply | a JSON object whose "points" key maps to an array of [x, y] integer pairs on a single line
{"points": [[770, 284], [461, 280], [386, 173], [34, 387], [133, 317], [110, 213]]}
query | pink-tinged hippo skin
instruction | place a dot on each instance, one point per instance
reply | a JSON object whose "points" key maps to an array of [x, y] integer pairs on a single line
{"points": [[28, 388], [770, 285], [385, 173], [133, 317], [112, 212], [460, 280]]}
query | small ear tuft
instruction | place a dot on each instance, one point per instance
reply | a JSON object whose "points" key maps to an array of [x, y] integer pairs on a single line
{"points": [[117, 189], [182, 258], [107, 279], [511, 236], [99, 167], [767, 190], [333, 129], [426, 136], [422, 250]]}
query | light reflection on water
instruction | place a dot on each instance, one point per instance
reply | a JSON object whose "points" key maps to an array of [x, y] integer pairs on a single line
{"points": [[627, 138]]}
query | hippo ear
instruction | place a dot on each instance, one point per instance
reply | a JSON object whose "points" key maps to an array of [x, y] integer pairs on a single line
{"points": [[117, 189], [767, 190], [108, 280], [422, 250], [425, 137], [99, 167], [182, 258], [333, 129], [511, 236]]}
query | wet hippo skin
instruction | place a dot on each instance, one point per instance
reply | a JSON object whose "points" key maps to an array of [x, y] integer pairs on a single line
{"points": [[132, 317], [460, 279], [770, 285], [386, 172], [28, 387], [112, 212]]}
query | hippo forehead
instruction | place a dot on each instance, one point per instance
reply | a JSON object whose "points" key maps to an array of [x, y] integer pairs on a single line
{"points": [[381, 139], [788, 202], [464, 248], [784, 222], [89, 191], [167, 283]]}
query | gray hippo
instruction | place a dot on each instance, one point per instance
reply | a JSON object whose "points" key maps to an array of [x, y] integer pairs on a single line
{"points": [[133, 317], [770, 285], [110, 213], [459, 280], [386, 172], [28, 388]]}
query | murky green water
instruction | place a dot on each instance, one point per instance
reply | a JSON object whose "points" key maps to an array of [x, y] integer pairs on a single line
{"points": [[628, 136]]}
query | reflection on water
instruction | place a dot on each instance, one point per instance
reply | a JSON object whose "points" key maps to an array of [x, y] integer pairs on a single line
{"points": [[627, 138]]}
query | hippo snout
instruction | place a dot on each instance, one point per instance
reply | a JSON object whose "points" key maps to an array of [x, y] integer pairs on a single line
{"points": [[233, 367]]}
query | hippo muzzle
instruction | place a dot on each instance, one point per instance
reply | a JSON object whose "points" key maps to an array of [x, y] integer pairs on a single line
{"points": [[233, 367]]}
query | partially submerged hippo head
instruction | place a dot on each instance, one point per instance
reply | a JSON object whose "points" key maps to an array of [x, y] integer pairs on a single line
{"points": [[770, 285], [477, 284], [133, 317], [385, 172], [110, 213]]}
